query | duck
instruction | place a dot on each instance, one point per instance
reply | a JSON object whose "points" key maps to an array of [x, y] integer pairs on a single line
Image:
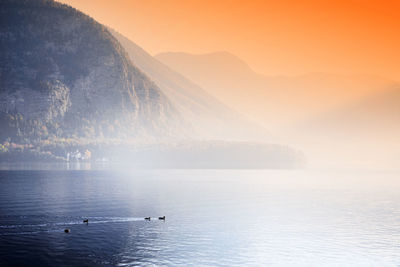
{"points": [[147, 218], [162, 218], [67, 231], [86, 221]]}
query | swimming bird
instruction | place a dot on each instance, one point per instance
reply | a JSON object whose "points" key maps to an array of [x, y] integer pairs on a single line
{"points": [[67, 231], [86, 221], [147, 218], [162, 218]]}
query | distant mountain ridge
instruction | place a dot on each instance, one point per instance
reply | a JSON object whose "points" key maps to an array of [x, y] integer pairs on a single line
{"points": [[278, 101], [380, 110], [212, 119], [335, 119]]}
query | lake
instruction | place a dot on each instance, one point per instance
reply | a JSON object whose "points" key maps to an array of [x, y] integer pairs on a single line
{"points": [[213, 217]]}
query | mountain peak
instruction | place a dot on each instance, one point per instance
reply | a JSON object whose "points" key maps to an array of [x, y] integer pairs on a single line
{"points": [[212, 118]]}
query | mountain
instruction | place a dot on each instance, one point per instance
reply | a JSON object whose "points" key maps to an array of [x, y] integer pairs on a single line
{"points": [[375, 113], [365, 133], [277, 101], [63, 75], [69, 91], [212, 119], [336, 120]]}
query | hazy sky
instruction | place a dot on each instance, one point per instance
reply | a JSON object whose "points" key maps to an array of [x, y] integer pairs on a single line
{"points": [[274, 37]]}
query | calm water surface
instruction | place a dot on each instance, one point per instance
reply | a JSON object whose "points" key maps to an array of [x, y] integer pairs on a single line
{"points": [[214, 217]]}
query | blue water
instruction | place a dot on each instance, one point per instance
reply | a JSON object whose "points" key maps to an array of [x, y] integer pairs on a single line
{"points": [[213, 217]]}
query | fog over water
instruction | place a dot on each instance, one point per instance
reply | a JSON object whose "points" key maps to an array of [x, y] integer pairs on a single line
{"points": [[213, 217], [100, 139]]}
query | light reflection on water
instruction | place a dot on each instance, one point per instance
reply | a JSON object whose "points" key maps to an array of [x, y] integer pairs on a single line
{"points": [[214, 217]]}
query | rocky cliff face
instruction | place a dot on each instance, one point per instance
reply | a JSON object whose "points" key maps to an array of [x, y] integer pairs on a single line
{"points": [[62, 74]]}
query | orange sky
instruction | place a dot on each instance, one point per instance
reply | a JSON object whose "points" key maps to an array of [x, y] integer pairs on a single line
{"points": [[274, 37]]}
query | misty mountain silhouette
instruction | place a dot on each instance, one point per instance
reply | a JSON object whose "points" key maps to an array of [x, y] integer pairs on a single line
{"points": [[276, 101], [376, 112], [211, 118], [337, 120]]}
